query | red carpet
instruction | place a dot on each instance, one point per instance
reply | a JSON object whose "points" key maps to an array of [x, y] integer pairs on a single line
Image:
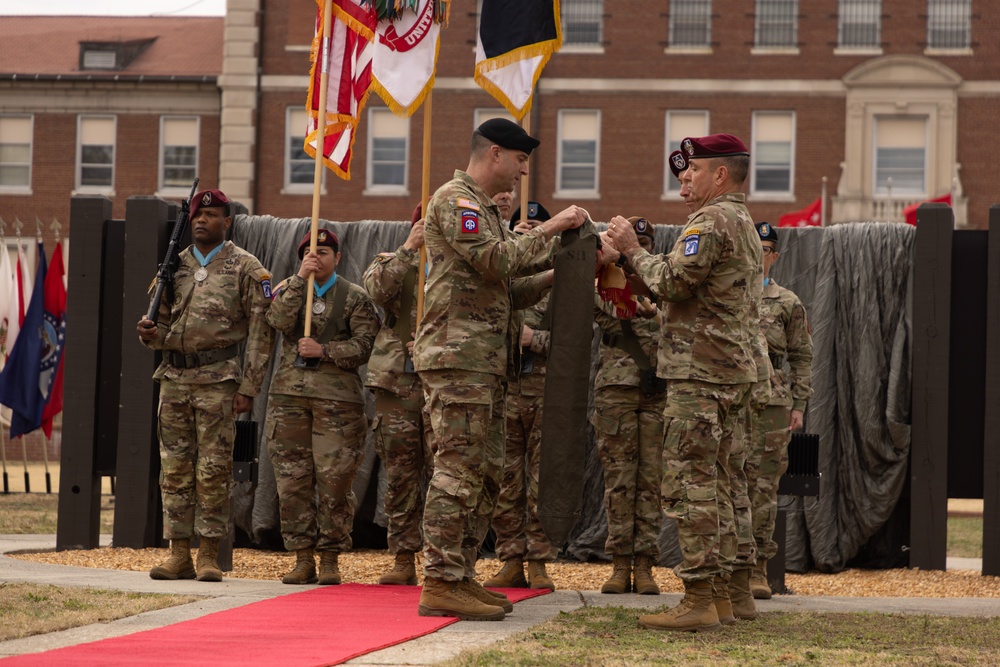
{"points": [[322, 626]]}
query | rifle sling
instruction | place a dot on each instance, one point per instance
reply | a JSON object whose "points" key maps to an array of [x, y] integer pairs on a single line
{"points": [[629, 343], [401, 325]]}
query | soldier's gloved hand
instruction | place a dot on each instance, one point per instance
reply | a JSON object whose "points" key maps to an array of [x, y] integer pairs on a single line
{"points": [[146, 329], [242, 403], [309, 348]]}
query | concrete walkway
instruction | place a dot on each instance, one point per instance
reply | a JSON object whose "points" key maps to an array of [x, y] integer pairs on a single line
{"points": [[441, 645]]}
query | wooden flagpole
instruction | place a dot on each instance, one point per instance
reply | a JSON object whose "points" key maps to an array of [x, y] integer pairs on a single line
{"points": [[524, 194], [425, 195], [320, 147]]}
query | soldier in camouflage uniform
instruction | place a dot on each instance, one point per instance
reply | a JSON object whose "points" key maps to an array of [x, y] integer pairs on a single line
{"points": [[706, 354], [316, 420], [219, 299], [391, 281], [628, 419], [515, 521], [786, 329], [461, 353]]}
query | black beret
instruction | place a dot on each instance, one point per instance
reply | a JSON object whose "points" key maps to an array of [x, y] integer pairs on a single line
{"points": [[507, 134], [767, 232], [535, 212]]}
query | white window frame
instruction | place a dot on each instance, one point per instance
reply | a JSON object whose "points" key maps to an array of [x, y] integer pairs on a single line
{"points": [[965, 49], [22, 189], [772, 195], [372, 188], [596, 47], [583, 193], [483, 114], [844, 13], [771, 49], [95, 189], [672, 45], [173, 190], [289, 188], [671, 186], [881, 190]]}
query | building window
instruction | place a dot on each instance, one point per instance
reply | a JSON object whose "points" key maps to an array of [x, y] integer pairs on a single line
{"points": [[776, 24], [680, 125], [773, 152], [96, 152], [15, 152], [388, 136], [178, 152], [582, 22], [482, 115], [690, 23], [579, 133], [299, 167], [900, 156], [859, 24], [949, 24]]}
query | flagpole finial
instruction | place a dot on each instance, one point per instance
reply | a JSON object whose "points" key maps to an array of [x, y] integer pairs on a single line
{"points": [[3, 227], [56, 228], [38, 228], [18, 226]]}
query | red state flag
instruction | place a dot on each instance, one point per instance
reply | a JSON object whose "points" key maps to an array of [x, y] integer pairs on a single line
{"points": [[810, 216], [346, 56], [50, 381], [910, 212]]}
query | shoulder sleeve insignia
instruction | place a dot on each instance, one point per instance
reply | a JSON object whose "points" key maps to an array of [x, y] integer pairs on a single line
{"points": [[691, 244], [470, 222], [467, 203], [265, 284]]}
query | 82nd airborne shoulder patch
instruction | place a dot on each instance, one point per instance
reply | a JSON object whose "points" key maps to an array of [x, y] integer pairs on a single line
{"points": [[470, 222]]}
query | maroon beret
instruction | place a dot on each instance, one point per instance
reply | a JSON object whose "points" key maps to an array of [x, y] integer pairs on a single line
{"points": [[417, 214], [323, 237], [714, 145], [678, 163], [642, 227], [208, 199]]}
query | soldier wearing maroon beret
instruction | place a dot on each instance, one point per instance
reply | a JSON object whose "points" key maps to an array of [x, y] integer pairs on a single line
{"points": [[708, 285]]}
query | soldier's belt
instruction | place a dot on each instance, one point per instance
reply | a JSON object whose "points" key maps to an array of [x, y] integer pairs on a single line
{"points": [[196, 359], [777, 361]]}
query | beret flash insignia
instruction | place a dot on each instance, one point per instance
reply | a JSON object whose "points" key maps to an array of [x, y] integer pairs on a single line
{"points": [[206, 199]]}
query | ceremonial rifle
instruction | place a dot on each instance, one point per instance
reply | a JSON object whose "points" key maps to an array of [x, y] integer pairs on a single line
{"points": [[165, 274]]}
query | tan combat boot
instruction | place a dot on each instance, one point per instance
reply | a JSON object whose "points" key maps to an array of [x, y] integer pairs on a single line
{"points": [[446, 598], [329, 569], [758, 581], [643, 573], [403, 573], [178, 565], [488, 597], [511, 575], [740, 595], [621, 576], [537, 576], [723, 607], [208, 564], [695, 613], [304, 571]]}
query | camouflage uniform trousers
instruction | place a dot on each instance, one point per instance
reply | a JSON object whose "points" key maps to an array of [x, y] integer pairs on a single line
{"points": [[403, 449], [196, 432], [629, 429], [746, 548], [466, 411], [515, 521], [316, 446], [768, 461], [700, 421]]}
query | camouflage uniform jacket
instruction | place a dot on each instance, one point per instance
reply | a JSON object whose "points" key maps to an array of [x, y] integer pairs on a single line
{"points": [[225, 309], [383, 281], [470, 292], [527, 376], [706, 285], [788, 339], [616, 366], [337, 377]]}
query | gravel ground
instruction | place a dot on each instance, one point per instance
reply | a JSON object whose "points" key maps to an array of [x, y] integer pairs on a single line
{"points": [[367, 566]]}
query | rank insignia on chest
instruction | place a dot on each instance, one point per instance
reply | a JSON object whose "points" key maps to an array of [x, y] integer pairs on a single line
{"points": [[470, 222], [691, 244]]}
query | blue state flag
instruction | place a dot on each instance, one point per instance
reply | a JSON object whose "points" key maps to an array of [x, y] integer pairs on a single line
{"points": [[19, 388]]}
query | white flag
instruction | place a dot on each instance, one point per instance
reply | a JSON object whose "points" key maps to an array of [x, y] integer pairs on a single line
{"points": [[406, 52]]}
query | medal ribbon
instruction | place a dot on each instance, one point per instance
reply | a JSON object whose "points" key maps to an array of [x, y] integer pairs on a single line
{"points": [[325, 287], [204, 260]]}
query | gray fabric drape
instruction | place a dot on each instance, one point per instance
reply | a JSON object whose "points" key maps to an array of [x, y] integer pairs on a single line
{"points": [[854, 281]]}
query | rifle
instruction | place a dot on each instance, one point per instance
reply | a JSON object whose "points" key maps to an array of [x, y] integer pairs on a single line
{"points": [[165, 274]]}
